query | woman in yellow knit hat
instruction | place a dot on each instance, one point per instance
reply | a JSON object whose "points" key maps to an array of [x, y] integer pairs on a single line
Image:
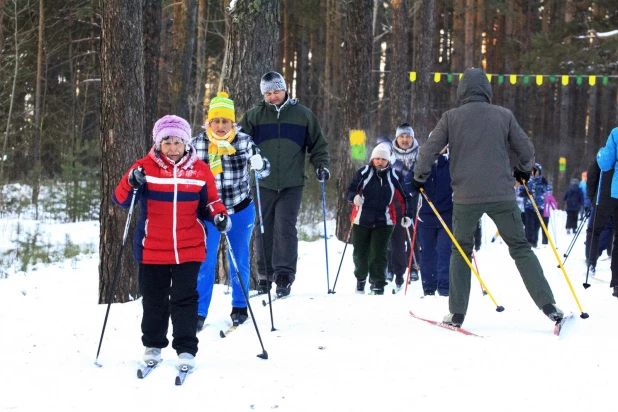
{"points": [[231, 155]]}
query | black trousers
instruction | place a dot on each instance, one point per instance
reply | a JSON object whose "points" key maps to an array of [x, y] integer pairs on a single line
{"points": [[170, 290], [532, 227], [614, 266], [596, 224], [280, 237]]}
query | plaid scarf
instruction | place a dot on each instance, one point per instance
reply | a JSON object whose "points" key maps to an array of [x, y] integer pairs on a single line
{"points": [[219, 146]]}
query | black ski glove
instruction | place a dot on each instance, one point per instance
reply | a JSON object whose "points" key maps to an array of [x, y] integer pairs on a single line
{"points": [[137, 177], [322, 174], [416, 185], [222, 223], [521, 176]]}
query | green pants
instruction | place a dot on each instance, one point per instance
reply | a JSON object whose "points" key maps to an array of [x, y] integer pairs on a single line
{"points": [[371, 253], [507, 217]]}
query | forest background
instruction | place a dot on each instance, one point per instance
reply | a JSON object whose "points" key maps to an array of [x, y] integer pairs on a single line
{"points": [[83, 81]]}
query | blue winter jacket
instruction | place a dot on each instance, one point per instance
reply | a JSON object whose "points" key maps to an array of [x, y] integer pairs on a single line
{"points": [[438, 189], [607, 158]]}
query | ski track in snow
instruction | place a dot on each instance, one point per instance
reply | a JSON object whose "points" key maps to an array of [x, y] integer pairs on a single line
{"points": [[337, 352]]}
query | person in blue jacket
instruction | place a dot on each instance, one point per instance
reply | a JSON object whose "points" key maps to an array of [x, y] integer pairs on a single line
{"points": [[436, 245], [607, 158]]}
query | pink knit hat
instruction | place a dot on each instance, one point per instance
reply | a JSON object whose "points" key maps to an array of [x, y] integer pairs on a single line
{"points": [[171, 125]]}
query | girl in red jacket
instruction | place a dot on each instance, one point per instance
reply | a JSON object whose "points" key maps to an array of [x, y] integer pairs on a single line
{"points": [[175, 191]]}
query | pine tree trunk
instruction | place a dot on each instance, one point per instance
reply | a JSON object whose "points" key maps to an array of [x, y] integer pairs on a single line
{"points": [[399, 93], [356, 66], [250, 55], [469, 33], [424, 62], [122, 113], [151, 10], [36, 143], [184, 40]]}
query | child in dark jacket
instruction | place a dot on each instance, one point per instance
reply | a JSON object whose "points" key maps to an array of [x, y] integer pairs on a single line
{"points": [[372, 191], [574, 199], [436, 244]]}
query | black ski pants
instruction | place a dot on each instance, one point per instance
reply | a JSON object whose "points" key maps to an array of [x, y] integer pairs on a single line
{"points": [[614, 265], [596, 224], [170, 290], [280, 237], [371, 253]]}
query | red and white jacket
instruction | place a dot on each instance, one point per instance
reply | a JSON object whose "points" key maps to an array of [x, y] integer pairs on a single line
{"points": [[173, 202]]}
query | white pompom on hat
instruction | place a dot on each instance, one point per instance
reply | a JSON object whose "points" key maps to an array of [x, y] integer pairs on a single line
{"points": [[381, 151]]}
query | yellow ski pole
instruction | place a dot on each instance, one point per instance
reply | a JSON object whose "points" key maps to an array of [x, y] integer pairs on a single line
{"points": [[583, 315], [498, 308]]}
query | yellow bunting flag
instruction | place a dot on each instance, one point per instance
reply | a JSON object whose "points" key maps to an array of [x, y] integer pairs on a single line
{"points": [[412, 76], [357, 137], [436, 77], [489, 77], [592, 80], [539, 79], [513, 78], [565, 80]]}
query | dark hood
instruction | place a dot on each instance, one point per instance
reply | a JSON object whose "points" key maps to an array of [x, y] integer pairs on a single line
{"points": [[474, 87]]}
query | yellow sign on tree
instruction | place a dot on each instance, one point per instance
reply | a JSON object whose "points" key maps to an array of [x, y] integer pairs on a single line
{"points": [[562, 164]]}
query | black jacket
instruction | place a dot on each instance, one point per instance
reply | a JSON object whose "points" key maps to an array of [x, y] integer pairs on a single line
{"points": [[594, 172]]}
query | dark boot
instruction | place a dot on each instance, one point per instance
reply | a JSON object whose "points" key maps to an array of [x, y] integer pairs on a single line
{"points": [[284, 286], [263, 286], [398, 280], [454, 319], [552, 312], [200, 323], [239, 315], [376, 291], [360, 286], [615, 293]]}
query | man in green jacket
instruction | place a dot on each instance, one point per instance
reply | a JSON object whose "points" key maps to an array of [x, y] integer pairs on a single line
{"points": [[480, 137], [285, 131]]}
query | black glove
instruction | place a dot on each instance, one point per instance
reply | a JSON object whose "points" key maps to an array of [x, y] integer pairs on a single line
{"points": [[137, 177], [322, 173], [416, 185], [521, 176], [222, 223]]}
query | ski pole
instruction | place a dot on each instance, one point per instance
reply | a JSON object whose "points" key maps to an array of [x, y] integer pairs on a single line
{"points": [[264, 354], [259, 203], [583, 315], [594, 222], [117, 269], [477, 269], [463, 255], [418, 208], [578, 231], [342, 255], [325, 239]]}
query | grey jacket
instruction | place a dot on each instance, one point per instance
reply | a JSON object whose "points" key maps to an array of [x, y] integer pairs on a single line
{"points": [[480, 137]]}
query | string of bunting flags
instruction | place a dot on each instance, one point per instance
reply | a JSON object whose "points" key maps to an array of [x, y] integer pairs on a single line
{"points": [[539, 79]]}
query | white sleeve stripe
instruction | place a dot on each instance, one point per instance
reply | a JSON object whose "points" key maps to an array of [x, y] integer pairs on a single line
{"points": [[171, 181]]}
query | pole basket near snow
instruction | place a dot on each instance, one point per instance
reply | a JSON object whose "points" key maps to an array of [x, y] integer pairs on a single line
{"points": [[264, 354], [116, 270], [583, 315], [463, 255]]}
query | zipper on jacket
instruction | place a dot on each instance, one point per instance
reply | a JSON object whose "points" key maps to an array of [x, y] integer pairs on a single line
{"points": [[175, 207]]}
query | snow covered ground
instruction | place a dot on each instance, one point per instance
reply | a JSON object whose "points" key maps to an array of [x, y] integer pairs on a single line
{"points": [[338, 352]]}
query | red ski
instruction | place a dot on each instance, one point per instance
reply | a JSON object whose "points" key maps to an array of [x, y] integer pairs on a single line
{"points": [[446, 326], [563, 326]]}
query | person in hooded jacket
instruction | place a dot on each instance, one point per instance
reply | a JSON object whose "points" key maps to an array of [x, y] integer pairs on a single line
{"points": [[537, 185], [482, 182], [372, 192], [574, 200], [285, 131], [176, 192], [607, 158], [405, 151]]}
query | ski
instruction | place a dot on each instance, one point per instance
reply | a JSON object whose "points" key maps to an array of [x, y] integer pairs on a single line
{"points": [[446, 326], [564, 325], [231, 329], [274, 298], [182, 375], [145, 371]]}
